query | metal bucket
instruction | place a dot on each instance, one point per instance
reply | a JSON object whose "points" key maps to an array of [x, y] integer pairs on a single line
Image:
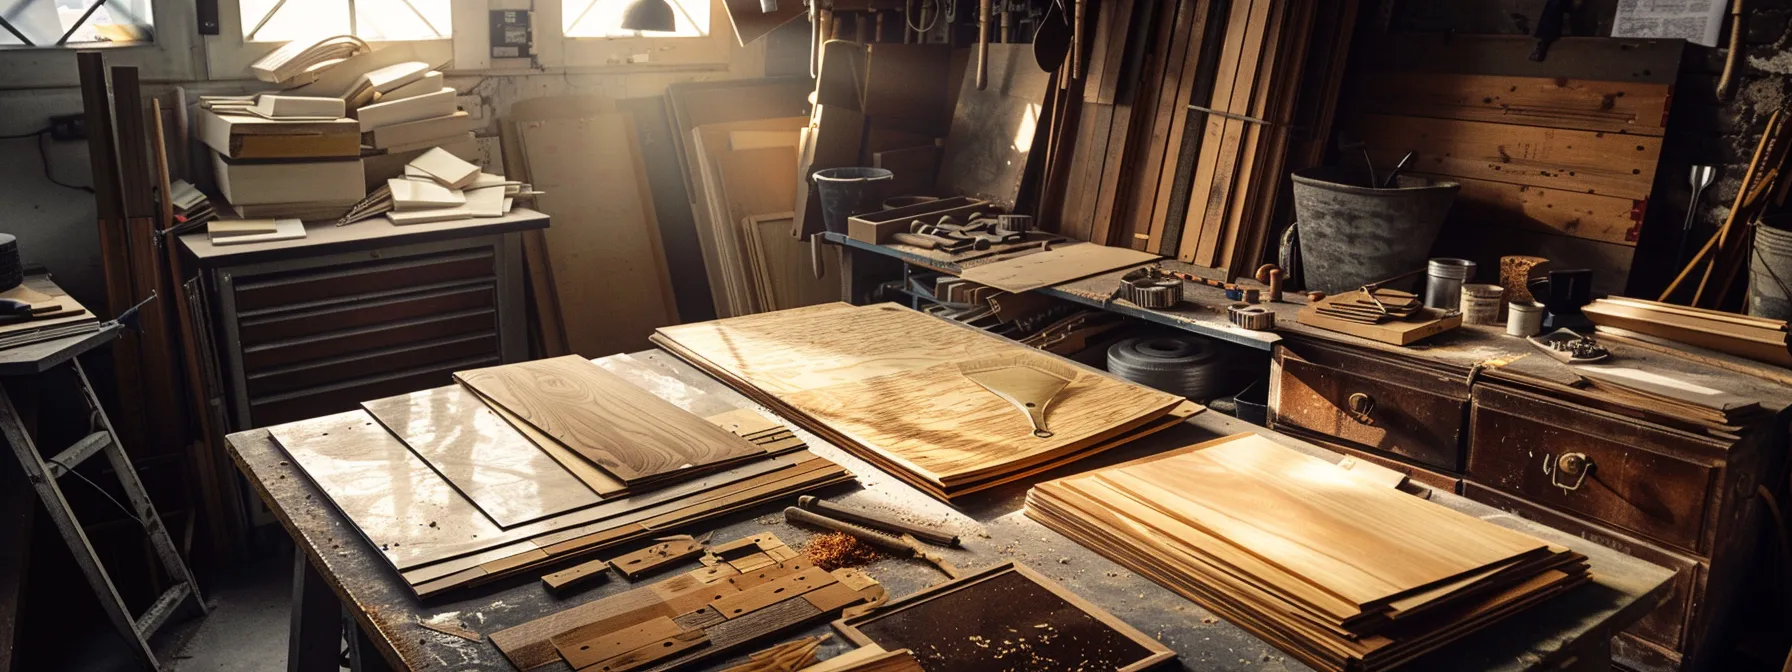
{"points": [[1352, 235], [847, 191], [1770, 274]]}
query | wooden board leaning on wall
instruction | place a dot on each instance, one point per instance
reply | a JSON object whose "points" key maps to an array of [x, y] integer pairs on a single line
{"points": [[1556, 158]]}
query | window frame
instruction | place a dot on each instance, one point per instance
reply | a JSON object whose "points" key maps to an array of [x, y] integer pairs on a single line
{"points": [[228, 55], [171, 56]]}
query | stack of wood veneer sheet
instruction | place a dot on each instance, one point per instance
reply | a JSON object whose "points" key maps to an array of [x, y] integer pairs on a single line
{"points": [[884, 382], [528, 464], [1338, 572]]}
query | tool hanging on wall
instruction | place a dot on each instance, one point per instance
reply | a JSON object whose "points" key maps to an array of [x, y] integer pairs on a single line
{"points": [[1701, 177]]}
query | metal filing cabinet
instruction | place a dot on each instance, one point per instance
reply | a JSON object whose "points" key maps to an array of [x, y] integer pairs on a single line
{"points": [[315, 326]]}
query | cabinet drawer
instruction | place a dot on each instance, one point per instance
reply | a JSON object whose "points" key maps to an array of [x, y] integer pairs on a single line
{"points": [[1666, 626], [353, 341], [292, 322], [371, 363], [384, 275], [314, 402], [1644, 478], [1373, 403]]}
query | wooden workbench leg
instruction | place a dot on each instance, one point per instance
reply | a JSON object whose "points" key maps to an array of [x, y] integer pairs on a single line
{"points": [[1596, 656], [315, 641], [363, 656]]}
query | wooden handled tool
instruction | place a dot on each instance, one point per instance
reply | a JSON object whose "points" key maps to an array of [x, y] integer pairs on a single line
{"points": [[982, 44], [875, 521], [1076, 41], [904, 545]]}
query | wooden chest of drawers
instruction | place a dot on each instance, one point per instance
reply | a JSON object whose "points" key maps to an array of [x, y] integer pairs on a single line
{"points": [[1652, 486]]}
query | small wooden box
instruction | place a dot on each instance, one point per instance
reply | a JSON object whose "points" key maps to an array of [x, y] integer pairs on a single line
{"points": [[876, 227]]}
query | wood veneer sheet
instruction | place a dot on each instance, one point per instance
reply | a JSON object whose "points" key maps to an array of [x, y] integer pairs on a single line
{"points": [[632, 434], [486, 459]]}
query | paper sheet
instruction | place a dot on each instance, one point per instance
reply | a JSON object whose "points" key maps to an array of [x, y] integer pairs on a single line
{"points": [[1696, 21]]}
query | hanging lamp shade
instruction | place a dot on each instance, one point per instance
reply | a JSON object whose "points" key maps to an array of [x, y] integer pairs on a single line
{"points": [[649, 15]]}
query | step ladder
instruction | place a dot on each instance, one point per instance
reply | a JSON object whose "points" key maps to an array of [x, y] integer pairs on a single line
{"points": [[44, 475]]}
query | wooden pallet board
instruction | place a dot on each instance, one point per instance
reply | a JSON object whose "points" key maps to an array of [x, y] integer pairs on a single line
{"points": [[1616, 165], [1554, 102], [632, 434]]}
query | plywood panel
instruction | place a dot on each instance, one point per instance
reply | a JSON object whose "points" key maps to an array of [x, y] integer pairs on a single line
{"points": [[632, 434], [762, 181], [604, 246], [1557, 211], [1055, 266], [782, 267], [1550, 102], [1621, 166], [500, 470]]}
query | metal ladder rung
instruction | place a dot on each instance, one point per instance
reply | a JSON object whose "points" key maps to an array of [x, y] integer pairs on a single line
{"points": [[67, 460], [158, 613]]}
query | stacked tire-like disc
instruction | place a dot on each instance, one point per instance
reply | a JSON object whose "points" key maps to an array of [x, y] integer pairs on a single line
{"points": [[1181, 365]]}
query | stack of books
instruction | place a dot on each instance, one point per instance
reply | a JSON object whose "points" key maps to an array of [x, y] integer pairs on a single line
{"points": [[347, 120], [439, 186]]}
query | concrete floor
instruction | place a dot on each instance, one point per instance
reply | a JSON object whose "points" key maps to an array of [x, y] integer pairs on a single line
{"points": [[247, 627]]}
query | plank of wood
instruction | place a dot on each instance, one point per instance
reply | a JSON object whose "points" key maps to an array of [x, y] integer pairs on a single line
{"points": [[583, 653], [782, 266], [633, 435], [654, 652], [528, 646], [604, 247], [1058, 265], [1558, 211], [715, 214], [481, 455], [575, 575], [656, 557], [771, 592], [1550, 102], [1616, 165], [1575, 58]]}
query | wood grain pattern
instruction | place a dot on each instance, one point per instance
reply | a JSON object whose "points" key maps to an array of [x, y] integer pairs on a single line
{"points": [[1589, 105], [781, 266], [1616, 165], [883, 381], [1055, 266], [633, 435], [1558, 211], [501, 471]]}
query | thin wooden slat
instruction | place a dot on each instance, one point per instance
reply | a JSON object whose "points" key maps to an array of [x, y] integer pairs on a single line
{"points": [[1221, 223], [1180, 65], [1549, 102], [1615, 165], [1208, 199], [632, 434], [113, 239], [1213, 128]]}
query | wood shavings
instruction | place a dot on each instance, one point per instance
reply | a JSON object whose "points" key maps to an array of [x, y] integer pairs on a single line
{"points": [[837, 549], [787, 657]]}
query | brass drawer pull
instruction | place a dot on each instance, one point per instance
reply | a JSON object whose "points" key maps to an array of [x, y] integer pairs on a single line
{"points": [[1359, 406], [1577, 465]]}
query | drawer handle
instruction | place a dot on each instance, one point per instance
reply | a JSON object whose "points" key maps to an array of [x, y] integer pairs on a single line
{"points": [[1359, 406], [1577, 465]]}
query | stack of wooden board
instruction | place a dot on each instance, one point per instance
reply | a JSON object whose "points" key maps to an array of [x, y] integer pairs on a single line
{"points": [[884, 382], [1756, 338], [453, 491], [706, 614], [1390, 316], [1338, 572]]}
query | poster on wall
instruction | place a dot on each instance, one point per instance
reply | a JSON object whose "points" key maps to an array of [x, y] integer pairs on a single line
{"points": [[1696, 21]]}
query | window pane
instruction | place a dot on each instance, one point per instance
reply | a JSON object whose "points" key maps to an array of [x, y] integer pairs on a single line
{"points": [[44, 21], [603, 18], [386, 20]]}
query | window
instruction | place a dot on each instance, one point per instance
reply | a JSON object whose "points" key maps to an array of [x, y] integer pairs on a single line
{"points": [[603, 18], [372, 20], [75, 23]]}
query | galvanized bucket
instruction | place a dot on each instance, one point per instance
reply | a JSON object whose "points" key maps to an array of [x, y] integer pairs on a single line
{"points": [[1770, 274], [1352, 235]]}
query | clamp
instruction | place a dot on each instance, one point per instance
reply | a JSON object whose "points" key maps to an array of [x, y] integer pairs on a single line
{"points": [[1254, 318]]}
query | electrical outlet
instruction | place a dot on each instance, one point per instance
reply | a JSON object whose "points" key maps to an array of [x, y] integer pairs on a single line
{"points": [[68, 127]]}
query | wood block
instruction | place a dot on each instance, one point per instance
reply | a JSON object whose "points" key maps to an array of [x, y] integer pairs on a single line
{"points": [[747, 601], [583, 652], [652, 653], [752, 562], [573, 576], [834, 597], [658, 556]]}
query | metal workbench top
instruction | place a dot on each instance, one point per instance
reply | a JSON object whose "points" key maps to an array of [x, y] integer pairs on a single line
{"points": [[994, 530]]}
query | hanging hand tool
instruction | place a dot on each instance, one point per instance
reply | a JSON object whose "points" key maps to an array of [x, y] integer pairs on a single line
{"points": [[1076, 41], [875, 521], [1702, 176], [1388, 182], [982, 44], [1051, 42], [1727, 81], [904, 545]]}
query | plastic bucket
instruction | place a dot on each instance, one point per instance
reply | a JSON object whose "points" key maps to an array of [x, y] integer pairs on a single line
{"points": [[1353, 235], [1770, 274], [845, 191]]}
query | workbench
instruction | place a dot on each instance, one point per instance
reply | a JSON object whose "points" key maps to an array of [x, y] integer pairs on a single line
{"points": [[334, 564], [1482, 414]]}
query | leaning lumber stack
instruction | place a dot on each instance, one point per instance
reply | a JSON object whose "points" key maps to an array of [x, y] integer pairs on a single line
{"points": [[1178, 138], [1339, 572], [1756, 338], [898, 389], [571, 458]]}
